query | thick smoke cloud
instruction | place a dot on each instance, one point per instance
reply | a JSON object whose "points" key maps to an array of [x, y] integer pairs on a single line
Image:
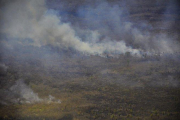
{"points": [[31, 20], [108, 28], [114, 22]]}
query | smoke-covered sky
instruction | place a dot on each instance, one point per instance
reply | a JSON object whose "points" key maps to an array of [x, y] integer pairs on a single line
{"points": [[89, 27]]}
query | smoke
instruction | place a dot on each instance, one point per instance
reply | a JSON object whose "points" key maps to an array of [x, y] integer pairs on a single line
{"points": [[3, 68], [108, 28], [22, 94], [31, 20], [26, 93], [114, 22], [34, 36]]}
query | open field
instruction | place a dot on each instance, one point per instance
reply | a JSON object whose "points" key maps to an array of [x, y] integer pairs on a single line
{"points": [[93, 87]]}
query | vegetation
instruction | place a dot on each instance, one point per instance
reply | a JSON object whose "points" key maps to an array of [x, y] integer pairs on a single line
{"points": [[93, 87]]}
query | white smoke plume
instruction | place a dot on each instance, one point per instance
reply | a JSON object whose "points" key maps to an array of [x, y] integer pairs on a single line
{"points": [[32, 20], [113, 21], [24, 94], [110, 32]]}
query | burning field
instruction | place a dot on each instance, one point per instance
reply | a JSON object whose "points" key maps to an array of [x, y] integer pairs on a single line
{"points": [[85, 60]]}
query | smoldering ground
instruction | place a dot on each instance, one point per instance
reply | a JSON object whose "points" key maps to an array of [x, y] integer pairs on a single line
{"points": [[52, 47]]}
